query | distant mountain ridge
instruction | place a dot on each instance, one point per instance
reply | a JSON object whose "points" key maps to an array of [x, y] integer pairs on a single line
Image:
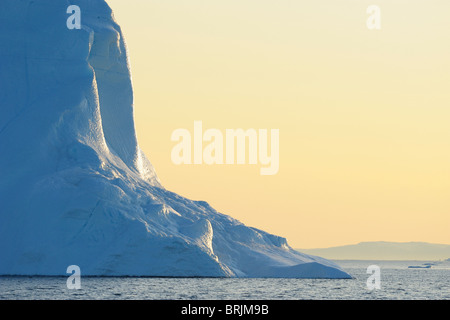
{"points": [[383, 250]]}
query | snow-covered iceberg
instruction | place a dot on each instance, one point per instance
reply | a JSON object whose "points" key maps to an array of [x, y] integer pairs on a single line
{"points": [[75, 188]]}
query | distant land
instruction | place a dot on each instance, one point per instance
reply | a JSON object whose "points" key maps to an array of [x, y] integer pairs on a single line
{"points": [[381, 250]]}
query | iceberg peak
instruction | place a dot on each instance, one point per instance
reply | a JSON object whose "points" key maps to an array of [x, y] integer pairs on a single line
{"points": [[76, 189]]}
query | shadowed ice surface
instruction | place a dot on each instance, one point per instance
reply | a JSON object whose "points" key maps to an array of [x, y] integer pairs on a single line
{"points": [[75, 187]]}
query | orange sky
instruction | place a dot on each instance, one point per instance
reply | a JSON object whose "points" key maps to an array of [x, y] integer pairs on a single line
{"points": [[363, 115]]}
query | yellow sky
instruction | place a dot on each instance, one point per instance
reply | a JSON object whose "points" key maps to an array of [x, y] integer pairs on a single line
{"points": [[363, 115]]}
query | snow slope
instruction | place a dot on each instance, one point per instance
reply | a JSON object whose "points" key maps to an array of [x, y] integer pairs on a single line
{"points": [[74, 186]]}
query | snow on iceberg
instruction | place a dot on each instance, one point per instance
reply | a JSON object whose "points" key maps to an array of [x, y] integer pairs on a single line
{"points": [[75, 188]]}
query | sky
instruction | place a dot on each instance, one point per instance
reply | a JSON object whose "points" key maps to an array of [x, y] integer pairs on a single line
{"points": [[363, 115]]}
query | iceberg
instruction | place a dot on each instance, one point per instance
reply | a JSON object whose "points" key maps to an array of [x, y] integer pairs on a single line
{"points": [[75, 187]]}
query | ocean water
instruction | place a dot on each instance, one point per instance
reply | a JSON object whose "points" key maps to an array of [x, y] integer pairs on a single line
{"points": [[397, 281]]}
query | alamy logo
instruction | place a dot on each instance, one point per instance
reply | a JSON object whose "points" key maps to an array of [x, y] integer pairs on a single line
{"points": [[74, 281], [374, 20], [227, 149], [74, 21], [374, 281]]}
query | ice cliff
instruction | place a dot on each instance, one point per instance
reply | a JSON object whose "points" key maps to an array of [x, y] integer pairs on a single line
{"points": [[75, 188]]}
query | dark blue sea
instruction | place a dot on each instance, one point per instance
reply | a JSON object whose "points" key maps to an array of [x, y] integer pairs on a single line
{"points": [[397, 281]]}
